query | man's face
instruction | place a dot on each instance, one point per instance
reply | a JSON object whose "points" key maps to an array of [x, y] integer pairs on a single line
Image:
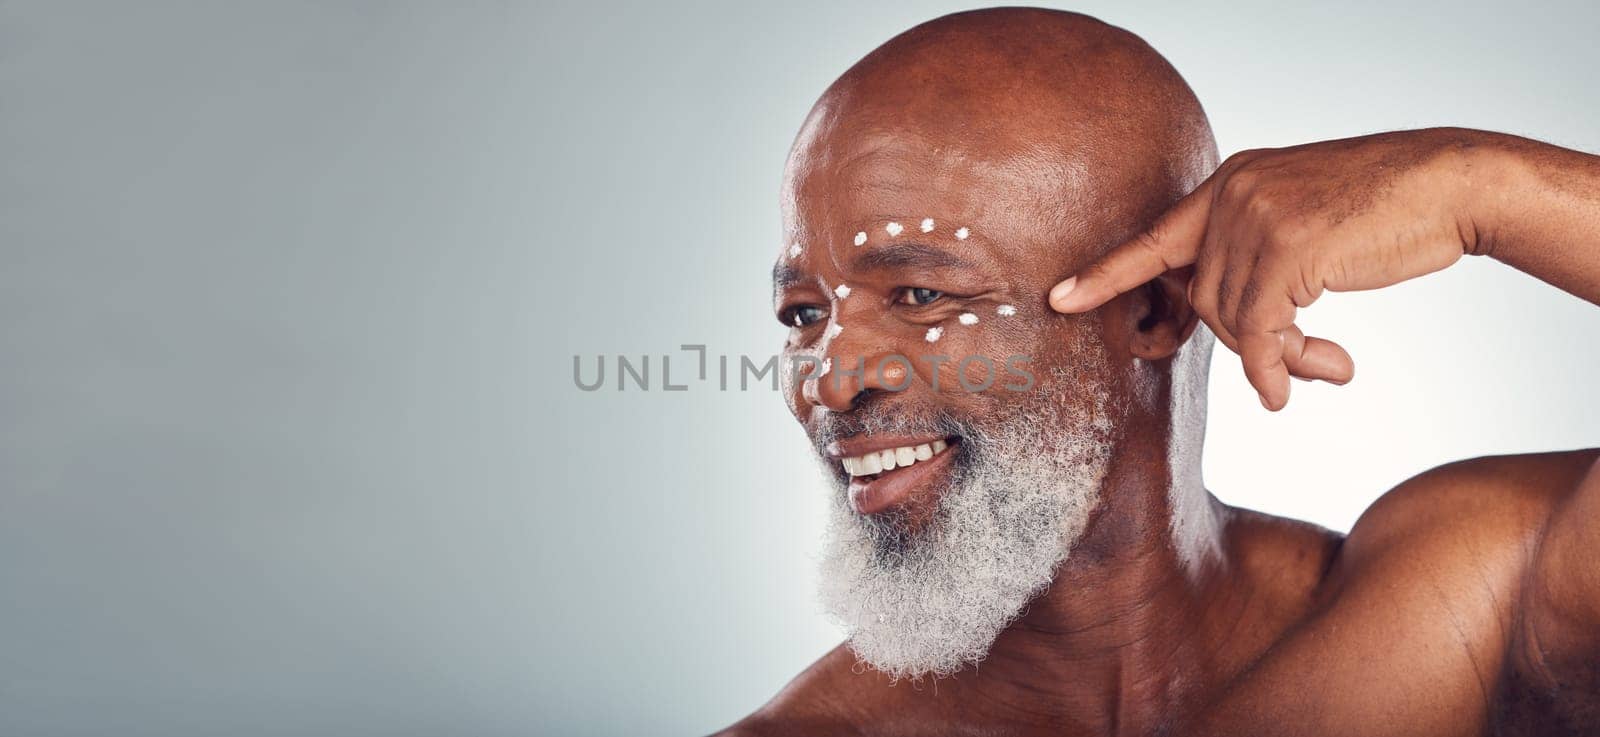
{"points": [[941, 308], [945, 313]]}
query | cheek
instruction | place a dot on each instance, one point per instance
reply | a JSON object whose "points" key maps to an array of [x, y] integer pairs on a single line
{"points": [[979, 358]]}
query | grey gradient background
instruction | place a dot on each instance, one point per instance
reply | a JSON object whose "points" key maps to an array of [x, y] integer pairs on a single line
{"points": [[289, 294]]}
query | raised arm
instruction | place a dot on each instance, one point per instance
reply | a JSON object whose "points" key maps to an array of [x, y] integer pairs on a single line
{"points": [[1271, 230], [1546, 209]]}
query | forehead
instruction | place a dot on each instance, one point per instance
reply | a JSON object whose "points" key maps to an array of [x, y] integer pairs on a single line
{"points": [[1022, 202], [891, 171]]}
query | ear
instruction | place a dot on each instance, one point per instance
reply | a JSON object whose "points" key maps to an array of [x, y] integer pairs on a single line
{"points": [[1163, 319]]}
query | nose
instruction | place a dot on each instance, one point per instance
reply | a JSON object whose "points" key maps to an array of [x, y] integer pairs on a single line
{"points": [[852, 377]]}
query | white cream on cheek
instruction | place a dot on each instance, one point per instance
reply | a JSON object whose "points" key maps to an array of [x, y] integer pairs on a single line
{"points": [[934, 334], [842, 290], [1005, 310], [962, 233], [967, 318]]}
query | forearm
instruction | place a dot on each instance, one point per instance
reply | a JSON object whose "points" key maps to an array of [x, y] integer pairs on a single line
{"points": [[1538, 209]]}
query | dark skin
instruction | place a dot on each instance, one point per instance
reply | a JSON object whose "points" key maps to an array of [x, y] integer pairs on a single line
{"points": [[1465, 601]]}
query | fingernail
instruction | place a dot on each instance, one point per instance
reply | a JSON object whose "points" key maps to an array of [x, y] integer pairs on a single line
{"points": [[1060, 291]]}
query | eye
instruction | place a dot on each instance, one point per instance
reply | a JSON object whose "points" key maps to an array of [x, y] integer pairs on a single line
{"points": [[919, 296], [803, 315]]}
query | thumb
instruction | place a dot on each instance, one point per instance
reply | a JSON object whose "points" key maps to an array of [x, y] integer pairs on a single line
{"points": [[1170, 243]]}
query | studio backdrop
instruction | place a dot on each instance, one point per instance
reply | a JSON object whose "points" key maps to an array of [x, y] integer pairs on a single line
{"points": [[291, 296]]}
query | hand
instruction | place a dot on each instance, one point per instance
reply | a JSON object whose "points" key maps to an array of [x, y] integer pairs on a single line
{"points": [[1270, 230]]}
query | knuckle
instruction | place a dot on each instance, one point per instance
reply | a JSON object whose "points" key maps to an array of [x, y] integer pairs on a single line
{"points": [[1284, 233], [1150, 242], [1258, 317], [1303, 289], [1260, 204]]}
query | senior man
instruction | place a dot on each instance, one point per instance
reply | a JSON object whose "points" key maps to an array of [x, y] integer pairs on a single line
{"points": [[1043, 557]]}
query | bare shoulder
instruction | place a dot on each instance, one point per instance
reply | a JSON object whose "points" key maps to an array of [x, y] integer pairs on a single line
{"points": [[1489, 509], [821, 700], [1460, 558], [1414, 617]]}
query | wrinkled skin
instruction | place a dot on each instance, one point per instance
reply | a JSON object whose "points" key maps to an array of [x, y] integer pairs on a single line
{"points": [[1465, 601]]}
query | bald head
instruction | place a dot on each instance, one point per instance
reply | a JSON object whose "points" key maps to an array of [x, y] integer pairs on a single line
{"points": [[1021, 114]]}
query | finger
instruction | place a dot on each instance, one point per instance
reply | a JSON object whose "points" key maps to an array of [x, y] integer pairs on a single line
{"points": [[1316, 358], [1242, 267], [1223, 336], [1171, 242], [1265, 313], [1203, 288], [1261, 353]]}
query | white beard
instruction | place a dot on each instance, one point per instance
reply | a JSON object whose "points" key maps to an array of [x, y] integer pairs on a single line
{"points": [[1019, 499]]}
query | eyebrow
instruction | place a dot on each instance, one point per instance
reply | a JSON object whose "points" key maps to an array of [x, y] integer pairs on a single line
{"points": [[893, 256], [903, 255], [785, 276]]}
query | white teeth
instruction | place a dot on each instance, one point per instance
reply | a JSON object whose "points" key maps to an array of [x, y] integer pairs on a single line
{"points": [[889, 459]]}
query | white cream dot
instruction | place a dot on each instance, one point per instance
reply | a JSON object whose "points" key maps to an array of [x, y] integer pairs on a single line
{"points": [[794, 250], [834, 330], [893, 228], [933, 334], [961, 234], [842, 290], [967, 318], [1005, 310], [927, 225], [861, 237], [827, 365]]}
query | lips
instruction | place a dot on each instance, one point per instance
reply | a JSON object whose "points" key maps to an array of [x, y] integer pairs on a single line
{"points": [[885, 473]]}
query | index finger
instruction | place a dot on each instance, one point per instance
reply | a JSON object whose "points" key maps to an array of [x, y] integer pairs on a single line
{"points": [[1170, 243]]}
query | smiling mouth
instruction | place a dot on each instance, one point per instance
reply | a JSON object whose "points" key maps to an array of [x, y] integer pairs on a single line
{"points": [[891, 478], [872, 465]]}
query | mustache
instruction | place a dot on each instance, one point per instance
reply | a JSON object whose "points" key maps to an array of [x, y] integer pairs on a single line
{"points": [[876, 418]]}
